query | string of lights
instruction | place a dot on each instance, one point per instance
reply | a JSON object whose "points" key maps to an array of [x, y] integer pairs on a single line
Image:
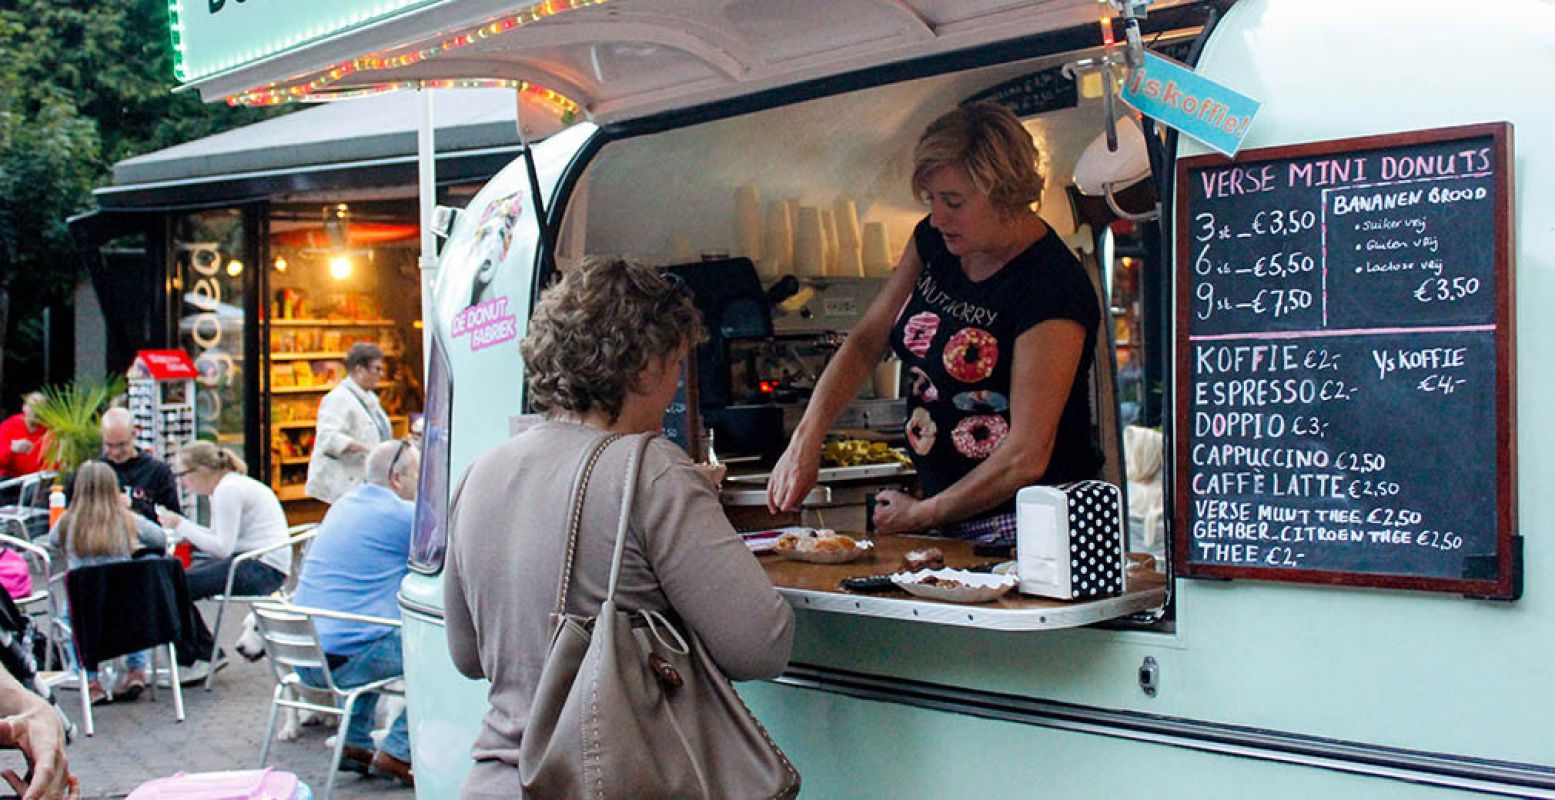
{"points": [[317, 90]]}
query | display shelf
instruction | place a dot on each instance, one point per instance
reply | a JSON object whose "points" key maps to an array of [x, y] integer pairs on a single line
{"points": [[313, 389], [325, 355], [309, 424], [162, 399], [293, 460], [291, 492], [333, 323]]}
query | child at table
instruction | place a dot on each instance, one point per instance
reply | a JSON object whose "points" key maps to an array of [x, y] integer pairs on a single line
{"points": [[100, 528]]}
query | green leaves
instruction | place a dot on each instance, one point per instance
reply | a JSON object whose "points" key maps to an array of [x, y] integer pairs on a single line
{"points": [[82, 85], [72, 413]]}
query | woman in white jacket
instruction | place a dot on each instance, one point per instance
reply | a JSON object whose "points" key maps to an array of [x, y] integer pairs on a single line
{"points": [[351, 422]]}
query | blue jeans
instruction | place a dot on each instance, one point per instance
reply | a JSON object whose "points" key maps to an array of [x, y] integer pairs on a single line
{"points": [[133, 661], [379, 660], [208, 577]]}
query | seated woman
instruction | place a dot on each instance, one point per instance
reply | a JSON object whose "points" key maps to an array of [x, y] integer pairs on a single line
{"points": [[995, 323], [602, 357], [245, 515], [100, 528]]}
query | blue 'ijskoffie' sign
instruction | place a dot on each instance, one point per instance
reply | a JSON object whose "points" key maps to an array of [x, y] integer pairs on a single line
{"points": [[1177, 96]]}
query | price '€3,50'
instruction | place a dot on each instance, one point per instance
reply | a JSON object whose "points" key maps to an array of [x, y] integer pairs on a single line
{"points": [[1446, 290]]}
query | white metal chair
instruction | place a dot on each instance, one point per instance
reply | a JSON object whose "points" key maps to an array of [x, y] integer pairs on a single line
{"points": [[41, 565], [27, 517], [292, 643], [296, 536]]}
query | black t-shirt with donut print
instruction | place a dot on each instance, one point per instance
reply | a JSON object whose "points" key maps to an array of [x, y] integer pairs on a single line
{"points": [[956, 338]]}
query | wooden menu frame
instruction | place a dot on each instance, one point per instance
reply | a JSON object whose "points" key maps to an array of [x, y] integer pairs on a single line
{"points": [[1507, 583]]}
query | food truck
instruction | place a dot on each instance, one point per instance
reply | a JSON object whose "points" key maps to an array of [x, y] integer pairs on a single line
{"points": [[1333, 324]]}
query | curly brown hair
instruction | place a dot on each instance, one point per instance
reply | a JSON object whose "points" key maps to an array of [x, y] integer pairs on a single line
{"points": [[597, 329]]}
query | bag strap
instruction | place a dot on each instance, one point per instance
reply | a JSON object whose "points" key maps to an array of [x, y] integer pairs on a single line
{"points": [[580, 486], [634, 465]]}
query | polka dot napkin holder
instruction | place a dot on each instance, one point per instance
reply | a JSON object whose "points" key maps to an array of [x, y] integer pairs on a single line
{"points": [[1069, 540]]}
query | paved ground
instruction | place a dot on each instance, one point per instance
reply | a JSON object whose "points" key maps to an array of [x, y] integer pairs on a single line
{"points": [[223, 729]]}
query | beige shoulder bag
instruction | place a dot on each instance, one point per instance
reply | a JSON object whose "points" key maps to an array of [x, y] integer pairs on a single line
{"points": [[629, 707]]}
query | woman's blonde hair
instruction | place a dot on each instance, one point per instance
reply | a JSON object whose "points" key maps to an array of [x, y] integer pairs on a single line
{"points": [[596, 330], [206, 455], [97, 523], [988, 141]]}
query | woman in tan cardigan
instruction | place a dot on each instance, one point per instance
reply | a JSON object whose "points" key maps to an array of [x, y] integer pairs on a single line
{"points": [[602, 356]]}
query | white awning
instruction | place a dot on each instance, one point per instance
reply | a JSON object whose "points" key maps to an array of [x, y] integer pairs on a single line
{"points": [[357, 130], [623, 59]]}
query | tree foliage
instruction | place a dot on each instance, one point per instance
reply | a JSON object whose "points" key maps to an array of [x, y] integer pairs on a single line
{"points": [[82, 85]]}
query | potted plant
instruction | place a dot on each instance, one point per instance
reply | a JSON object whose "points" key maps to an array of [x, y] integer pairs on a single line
{"points": [[72, 414]]}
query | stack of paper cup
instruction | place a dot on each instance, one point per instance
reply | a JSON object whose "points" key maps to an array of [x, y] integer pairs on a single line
{"points": [[809, 244], [680, 249], [849, 261], [888, 379], [828, 242], [747, 222], [777, 241], [877, 249]]}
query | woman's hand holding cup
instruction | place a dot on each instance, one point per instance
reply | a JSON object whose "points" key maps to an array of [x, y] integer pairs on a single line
{"points": [[168, 519]]}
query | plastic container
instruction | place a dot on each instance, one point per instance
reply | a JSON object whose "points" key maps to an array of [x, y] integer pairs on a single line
{"points": [[249, 784]]}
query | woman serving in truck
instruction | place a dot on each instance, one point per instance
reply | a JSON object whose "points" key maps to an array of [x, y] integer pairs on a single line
{"points": [[995, 322]]}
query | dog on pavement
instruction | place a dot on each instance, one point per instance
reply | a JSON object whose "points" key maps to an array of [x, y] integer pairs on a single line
{"points": [[252, 648]]}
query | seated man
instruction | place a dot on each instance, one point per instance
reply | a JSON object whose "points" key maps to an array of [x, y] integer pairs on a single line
{"points": [[148, 478], [22, 440], [355, 565]]}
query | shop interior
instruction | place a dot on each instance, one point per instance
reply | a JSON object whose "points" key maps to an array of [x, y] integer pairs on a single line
{"points": [[817, 196], [340, 272]]}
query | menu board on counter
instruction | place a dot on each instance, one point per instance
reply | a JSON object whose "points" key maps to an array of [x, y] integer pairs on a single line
{"points": [[682, 419], [1345, 387]]}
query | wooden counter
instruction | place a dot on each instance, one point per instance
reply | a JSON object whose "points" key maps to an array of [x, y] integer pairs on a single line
{"points": [[815, 587]]}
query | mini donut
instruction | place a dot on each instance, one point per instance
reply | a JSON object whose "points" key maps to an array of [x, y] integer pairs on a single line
{"points": [[922, 386], [982, 401], [919, 332], [921, 431], [977, 437], [927, 558], [971, 354]]}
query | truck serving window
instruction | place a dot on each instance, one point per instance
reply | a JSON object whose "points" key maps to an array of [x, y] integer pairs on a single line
{"points": [[429, 537], [826, 182]]}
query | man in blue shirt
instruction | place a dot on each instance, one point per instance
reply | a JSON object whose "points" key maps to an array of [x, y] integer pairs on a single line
{"points": [[355, 565]]}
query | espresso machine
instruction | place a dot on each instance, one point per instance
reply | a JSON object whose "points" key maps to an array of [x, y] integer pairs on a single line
{"points": [[766, 350]]}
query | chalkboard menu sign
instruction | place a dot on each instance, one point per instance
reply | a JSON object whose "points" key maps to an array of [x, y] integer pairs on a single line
{"points": [[1029, 95], [1345, 379]]}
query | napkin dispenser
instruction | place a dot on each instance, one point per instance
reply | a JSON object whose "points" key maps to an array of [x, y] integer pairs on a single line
{"points": [[1069, 540]]}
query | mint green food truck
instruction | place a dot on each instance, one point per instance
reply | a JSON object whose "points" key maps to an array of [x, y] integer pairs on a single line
{"points": [[1317, 381]]}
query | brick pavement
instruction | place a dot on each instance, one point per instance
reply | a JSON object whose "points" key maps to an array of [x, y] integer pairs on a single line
{"points": [[222, 729]]}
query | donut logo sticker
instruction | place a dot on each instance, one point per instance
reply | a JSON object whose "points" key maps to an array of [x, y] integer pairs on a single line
{"points": [[922, 387], [919, 332], [921, 431], [971, 354], [982, 401], [977, 437]]}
